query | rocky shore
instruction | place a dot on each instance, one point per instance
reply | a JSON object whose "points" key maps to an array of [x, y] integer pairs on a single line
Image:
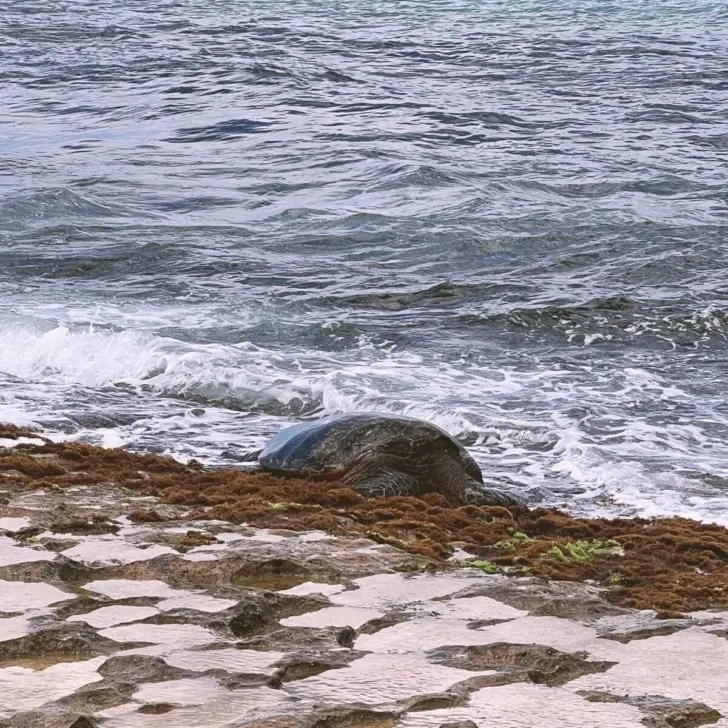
{"points": [[139, 591]]}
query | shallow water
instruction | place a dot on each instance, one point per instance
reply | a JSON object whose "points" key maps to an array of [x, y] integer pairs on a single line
{"points": [[509, 218], [26, 688], [11, 552], [378, 680], [431, 633], [334, 617], [516, 705], [19, 596]]}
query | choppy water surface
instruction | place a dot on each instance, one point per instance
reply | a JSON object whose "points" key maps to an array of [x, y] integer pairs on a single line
{"points": [[507, 217]]}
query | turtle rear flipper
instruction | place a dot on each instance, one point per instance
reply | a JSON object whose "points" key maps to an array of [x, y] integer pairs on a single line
{"points": [[249, 463], [249, 457], [377, 478]]}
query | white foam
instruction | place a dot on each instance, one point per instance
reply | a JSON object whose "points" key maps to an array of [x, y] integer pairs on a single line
{"points": [[92, 357]]}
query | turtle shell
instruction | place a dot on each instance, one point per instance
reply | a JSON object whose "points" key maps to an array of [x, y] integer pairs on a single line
{"points": [[331, 444]]}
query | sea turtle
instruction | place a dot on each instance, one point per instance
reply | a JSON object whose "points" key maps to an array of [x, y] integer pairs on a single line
{"points": [[381, 455]]}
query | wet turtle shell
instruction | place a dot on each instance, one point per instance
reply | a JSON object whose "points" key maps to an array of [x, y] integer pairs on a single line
{"points": [[330, 446]]}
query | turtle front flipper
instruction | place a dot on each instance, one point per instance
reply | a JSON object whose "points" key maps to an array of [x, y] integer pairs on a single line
{"points": [[490, 497], [377, 477]]}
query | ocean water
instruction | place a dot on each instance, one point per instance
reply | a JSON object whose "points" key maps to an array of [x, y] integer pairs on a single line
{"points": [[505, 216]]}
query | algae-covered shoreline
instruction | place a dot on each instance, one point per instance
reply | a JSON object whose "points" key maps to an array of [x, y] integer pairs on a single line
{"points": [[672, 565]]}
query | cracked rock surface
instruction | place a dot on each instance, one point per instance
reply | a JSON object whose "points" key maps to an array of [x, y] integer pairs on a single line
{"points": [[195, 621]]}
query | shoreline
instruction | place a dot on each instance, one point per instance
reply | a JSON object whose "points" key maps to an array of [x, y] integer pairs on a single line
{"points": [[672, 565]]}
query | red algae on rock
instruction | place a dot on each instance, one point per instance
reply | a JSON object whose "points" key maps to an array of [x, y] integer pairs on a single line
{"points": [[13, 432], [669, 564]]}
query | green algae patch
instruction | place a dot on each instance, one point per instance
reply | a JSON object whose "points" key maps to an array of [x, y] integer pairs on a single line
{"points": [[584, 550], [613, 581], [279, 506], [487, 567], [512, 543]]}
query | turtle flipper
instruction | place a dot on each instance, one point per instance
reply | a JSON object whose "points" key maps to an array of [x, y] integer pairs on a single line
{"points": [[249, 457], [380, 479], [490, 497]]}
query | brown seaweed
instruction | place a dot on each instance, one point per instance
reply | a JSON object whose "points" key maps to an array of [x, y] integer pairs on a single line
{"points": [[669, 564]]}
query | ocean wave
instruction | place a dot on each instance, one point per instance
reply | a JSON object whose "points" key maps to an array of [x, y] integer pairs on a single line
{"points": [[615, 321], [371, 375], [65, 206]]}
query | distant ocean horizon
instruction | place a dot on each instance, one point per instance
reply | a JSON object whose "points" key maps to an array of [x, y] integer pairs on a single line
{"points": [[508, 218]]}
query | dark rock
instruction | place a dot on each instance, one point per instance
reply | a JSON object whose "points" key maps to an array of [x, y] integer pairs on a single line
{"points": [[141, 668], [275, 721], [230, 575], [347, 716], [355, 716], [244, 680], [58, 544], [156, 708], [532, 663], [453, 698], [306, 663], [256, 611], [84, 604], [181, 542], [64, 639], [57, 572], [639, 627], [275, 573], [25, 534], [289, 639], [459, 724], [46, 571], [90, 525], [388, 620], [661, 712], [78, 605], [41, 719], [97, 696], [543, 598], [345, 636]]}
